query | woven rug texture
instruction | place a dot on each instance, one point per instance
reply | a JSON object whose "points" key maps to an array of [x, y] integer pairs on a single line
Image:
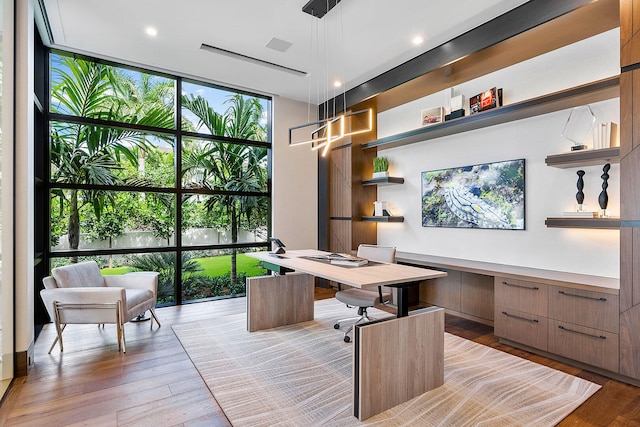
{"points": [[300, 375]]}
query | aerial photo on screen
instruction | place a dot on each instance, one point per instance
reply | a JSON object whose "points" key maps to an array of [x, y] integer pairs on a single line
{"points": [[489, 195]]}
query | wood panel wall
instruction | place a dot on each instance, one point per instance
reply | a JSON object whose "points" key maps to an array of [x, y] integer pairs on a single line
{"points": [[629, 183], [349, 165]]}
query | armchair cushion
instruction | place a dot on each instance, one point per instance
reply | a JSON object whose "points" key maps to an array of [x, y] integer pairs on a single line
{"points": [[82, 274]]}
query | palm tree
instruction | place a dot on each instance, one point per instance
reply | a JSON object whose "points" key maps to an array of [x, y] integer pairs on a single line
{"points": [[226, 166], [89, 154]]}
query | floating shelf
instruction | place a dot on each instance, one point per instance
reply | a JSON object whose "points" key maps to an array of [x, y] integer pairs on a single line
{"points": [[608, 223], [383, 181], [584, 158], [579, 95], [383, 218]]}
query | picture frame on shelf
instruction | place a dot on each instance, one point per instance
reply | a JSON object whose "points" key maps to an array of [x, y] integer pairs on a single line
{"points": [[432, 116], [486, 100]]}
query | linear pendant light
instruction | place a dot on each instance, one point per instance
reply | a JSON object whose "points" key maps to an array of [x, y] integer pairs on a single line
{"points": [[322, 133]]}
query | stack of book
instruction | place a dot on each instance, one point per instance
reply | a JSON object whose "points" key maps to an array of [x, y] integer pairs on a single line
{"points": [[580, 214], [348, 260], [606, 135]]}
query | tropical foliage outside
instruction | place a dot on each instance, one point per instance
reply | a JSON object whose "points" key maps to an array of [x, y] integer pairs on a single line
{"points": [[222, 186]]}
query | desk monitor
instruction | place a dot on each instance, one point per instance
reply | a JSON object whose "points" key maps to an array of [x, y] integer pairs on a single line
{"points": [[279, 246]]}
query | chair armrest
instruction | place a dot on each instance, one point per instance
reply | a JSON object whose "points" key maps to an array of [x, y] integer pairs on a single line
{"points": [[147, 280], [86, 295], [49, 283]]}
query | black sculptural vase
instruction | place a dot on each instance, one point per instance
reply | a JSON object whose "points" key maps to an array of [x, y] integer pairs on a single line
{"points": [[580, 185], [603, 198]]}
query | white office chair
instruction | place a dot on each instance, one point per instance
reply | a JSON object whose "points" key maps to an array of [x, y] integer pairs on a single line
{"points": [[363, 298]]}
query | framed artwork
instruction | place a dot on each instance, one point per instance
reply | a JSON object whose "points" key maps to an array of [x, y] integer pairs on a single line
{"points": [[486, 100], [432, 116], [489, 195]]}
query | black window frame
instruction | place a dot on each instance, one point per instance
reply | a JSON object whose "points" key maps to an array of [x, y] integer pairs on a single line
{"points": [[43, 172]]}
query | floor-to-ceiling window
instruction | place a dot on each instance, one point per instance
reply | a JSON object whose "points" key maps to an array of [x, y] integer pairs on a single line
{"points": [[3, 288], [155, 172]]}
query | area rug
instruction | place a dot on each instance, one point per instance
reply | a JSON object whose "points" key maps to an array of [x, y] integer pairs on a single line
{"points": [[300, 375]]}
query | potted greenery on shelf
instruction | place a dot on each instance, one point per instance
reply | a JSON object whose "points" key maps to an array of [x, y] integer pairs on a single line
{"points": [[380, 167]]}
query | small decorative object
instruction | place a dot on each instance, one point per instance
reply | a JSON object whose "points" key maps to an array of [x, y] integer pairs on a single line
{"points": [[454, 115], [432, 116], [457, 102], [580, 193], [578, 126], [486, 100], [380, 167], [603, 198], [381, 209]]}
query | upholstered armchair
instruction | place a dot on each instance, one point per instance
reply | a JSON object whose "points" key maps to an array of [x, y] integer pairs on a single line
{"points": [[80, 294]]}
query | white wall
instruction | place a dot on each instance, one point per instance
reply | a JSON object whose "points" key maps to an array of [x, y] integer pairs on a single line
{"points": [[549, 191], [295, 178]]}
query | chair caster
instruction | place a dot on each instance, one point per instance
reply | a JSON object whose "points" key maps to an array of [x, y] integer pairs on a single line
{"points": [[347, 338], [336, 326]]}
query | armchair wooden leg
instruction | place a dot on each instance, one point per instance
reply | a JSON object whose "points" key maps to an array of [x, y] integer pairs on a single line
{"points": [[59, 327], [120, 327], [153, 314], [58, 337]]}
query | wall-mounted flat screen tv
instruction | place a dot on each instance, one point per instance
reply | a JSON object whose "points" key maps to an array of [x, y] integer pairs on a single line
{"points": [[489, 195]]}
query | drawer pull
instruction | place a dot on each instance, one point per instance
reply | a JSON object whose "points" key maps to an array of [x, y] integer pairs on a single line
{"points": [[582, 296], [519, 317], [602, 337], [534, 288]]}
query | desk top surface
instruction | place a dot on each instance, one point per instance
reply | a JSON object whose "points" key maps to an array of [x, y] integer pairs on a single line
{"points": [[370, 275]]}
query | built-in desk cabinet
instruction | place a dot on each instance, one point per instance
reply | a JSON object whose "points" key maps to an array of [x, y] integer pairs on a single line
{"points": [[465, 294], [521, 311], [569, 322]]}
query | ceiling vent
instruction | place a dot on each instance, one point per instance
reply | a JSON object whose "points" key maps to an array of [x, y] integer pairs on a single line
{"points": [[252, 60], [278, 44]]}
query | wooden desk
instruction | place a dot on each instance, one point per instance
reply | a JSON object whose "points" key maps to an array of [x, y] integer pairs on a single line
{"points": [[395, 359], [397, 276]]}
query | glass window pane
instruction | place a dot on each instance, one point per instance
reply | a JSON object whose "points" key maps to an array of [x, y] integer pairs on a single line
{"points": [[210, 274], [224, 166], [223, 220], [127, 219], [89, 89], [219, 112], [163, 263], [95, 155]]}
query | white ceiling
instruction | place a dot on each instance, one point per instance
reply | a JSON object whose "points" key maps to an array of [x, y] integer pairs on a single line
{"points": [[364, 37]]}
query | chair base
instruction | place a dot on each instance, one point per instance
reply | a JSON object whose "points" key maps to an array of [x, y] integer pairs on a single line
{"points": [[361, 318], [119, 325]]}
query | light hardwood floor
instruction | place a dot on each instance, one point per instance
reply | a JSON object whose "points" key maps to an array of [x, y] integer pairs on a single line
{"points": [[155, 383]]}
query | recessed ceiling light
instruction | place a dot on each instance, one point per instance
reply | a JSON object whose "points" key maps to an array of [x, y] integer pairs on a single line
{"points": [[417, 40], [337, 83], [151, 31]]}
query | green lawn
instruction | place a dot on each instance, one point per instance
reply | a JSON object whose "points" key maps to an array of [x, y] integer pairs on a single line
{"points": [[221, 265], [212, 266], [115, 270]]}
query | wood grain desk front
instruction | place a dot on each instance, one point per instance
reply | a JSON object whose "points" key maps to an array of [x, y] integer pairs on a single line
{"points": [[394, 359]]}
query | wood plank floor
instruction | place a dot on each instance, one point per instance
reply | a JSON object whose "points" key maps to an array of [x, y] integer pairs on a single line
{"points": [[155, 383]]}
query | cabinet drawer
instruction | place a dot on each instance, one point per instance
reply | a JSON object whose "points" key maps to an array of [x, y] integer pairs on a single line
{"points": [[588, 345], [520, 295], [585, 308], [524, 328]]}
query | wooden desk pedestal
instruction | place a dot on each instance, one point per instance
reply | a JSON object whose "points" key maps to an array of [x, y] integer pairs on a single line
{"points": [[397, 359], [274, 301]]}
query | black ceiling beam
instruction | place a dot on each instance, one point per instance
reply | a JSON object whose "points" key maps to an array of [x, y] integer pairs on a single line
{"points": [[505, 26], [319, 8]]}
